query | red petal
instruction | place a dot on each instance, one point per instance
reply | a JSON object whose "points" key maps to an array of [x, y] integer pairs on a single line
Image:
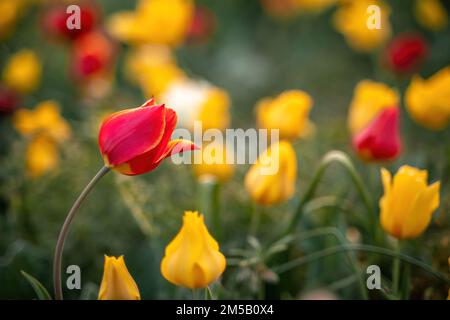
{"points": [[150, 102], [130, 133], [380, 140], [178, 146]]}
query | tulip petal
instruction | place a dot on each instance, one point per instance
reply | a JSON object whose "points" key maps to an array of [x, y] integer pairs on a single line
{"points": [[130, 133], [422, 210]]}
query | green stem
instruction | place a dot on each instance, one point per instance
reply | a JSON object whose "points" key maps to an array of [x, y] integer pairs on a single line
{"points": [[396, 270], [65, 230], [365, 248], [329, 158], [210, 204], [255, 220]]}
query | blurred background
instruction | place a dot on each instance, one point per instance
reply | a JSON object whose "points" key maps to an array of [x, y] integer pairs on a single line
{"points": [[247, 49]]}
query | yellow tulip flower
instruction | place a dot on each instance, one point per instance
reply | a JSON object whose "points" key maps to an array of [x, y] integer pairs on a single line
{"points": [[199, 101], [117, 283], [11, 10], [271, 179], [44, 118], [351, 20], [193, 259], [428, 101], [431, 14], [369, 98], [41, 156], [23, 71], [288, 112], [408, 202], [211, 161], [154, 21]]}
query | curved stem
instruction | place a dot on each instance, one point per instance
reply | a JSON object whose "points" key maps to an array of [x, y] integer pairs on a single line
{"points": [[365, 248], [329, 158], [65, 230]]}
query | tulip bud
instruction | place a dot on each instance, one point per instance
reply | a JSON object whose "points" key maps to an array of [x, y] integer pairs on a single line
{"points": [[288, 112], [431, 14], [380, 140], [42, 156], [117, 283], [193, 259], [272, 178], [22, 72], [408, 203], [405, 53], [135, 141], [428, 100]]}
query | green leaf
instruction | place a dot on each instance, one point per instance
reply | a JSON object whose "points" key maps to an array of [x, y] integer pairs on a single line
{"points": [[39, 289]]}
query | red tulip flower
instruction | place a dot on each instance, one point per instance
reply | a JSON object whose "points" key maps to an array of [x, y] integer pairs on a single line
{"points": [[54, 21], [202, 26], [406, 52], [380, 140], [93, 54], [136, 141], [8, 101]]}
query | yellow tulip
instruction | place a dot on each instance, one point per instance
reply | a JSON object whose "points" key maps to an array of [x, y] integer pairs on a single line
{"points": [[408, 202], [193, 259], [369, 98], [431, 14], [288, 112], [154, 21], [211, 162], [351, 20], [10, 11], [23, 72], [272, 178], [45, 118], [199, 101], [428, 101], [117, 283], [41, 156]]}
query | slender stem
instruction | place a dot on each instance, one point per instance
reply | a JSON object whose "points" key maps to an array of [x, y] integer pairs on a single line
{"points": [[65, 230], [396, 270], [360, 247], [210, 203], [255, 220], [329, 158]]}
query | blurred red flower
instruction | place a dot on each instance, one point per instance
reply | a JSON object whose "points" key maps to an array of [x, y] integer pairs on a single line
{"points": [[202, 26], [9, 101], [380, 140], [54, 21], [406, 52], [136, 141]]}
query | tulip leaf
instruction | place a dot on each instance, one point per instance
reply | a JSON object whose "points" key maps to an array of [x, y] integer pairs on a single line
{"points": [[39, 289]]}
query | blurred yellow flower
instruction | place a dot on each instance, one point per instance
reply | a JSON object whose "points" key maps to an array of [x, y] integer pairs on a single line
{"points": [[42, 156], [23, 71], [408, 203], [428, 101], [352, 19], [192, 259], [45, 118], [431, 14], [154, 68], [199, 101], [117, 283], [369, 98], [271, 179], [154, 21], [10, 11], [211, 162], [288, 112]]}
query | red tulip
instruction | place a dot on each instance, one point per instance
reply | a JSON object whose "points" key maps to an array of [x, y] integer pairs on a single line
{"points": [[406, 52], [135, 141], [93, 53], [8, 101], [54, 21], [202, 26], [380, 140]]}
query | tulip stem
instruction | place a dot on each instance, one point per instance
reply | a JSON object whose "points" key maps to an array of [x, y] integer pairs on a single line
{"points": [[329, 158], [396, 270], [65, 230], [210, 204]]}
